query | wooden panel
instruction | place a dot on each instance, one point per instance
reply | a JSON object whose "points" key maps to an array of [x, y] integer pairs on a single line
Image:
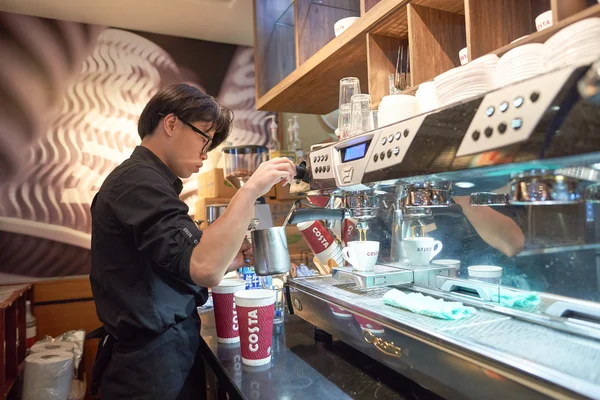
{"points": [[382, 55], [541, 37], [274, 55], [2, 352], [538, 7], [366, 5], [315, 24], [562, 9], [63, 289], [492, 24], [435, 39], [11, 319]]}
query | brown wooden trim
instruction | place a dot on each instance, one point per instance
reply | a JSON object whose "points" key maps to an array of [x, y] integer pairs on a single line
{"points": [[62, 289]]}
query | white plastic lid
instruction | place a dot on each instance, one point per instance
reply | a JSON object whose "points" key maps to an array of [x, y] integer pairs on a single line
{"points": [[485, 271], [304, 225]]}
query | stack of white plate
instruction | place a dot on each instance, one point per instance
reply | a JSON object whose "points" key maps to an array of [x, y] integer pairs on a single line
{"points": [[520, 63], [577, 44], [490, 63], [462, 83], [395, 108], [427, 97]]}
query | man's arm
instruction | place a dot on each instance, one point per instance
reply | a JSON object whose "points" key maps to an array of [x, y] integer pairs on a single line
{"points": [[221, 241], [496, 229]]}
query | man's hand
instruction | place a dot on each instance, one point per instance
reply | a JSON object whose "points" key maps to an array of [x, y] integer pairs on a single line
{"points": [[244, 254], [268, 174]]}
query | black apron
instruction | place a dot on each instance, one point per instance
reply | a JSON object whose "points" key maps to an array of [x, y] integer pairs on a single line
{"points": [[166, 367]]}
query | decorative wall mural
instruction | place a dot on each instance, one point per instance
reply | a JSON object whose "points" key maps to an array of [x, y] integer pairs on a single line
{"points": [[62, 145]]}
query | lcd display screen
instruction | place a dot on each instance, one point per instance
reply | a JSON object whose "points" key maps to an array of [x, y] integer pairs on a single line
{"points": [[355, 152]]}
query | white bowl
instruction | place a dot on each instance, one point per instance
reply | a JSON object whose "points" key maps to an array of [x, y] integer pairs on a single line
{"points": [[343, 24]]}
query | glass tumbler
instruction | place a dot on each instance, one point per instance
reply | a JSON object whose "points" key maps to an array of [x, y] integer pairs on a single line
{"points": [[344, 121], [348, 88], [362, 114], [275, 283]]}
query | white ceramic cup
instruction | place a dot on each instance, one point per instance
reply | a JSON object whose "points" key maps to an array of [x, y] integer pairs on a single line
{"points": [[543, 21], [343, 24], [361, 255], [464, 56], [420, 250]]}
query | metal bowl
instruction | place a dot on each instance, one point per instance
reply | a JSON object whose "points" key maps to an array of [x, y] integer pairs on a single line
{"points": [[543, 188]]}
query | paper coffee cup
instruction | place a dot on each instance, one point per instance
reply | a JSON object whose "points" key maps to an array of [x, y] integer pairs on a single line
{"points": [[226, 318], [256, 309]]}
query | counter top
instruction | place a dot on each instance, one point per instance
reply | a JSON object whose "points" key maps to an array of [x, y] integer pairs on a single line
{"points": [[302, 368]]}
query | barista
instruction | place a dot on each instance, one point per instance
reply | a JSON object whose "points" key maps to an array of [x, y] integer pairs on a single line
{"points": [[150, 264]]}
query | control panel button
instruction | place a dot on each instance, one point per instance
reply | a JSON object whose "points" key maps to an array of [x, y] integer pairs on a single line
{"points": [[490, 111], [391, 138], [326, 157], [518, 102], [475, 135], [318, 170], [383, 141], [328, 168], [502, 127], [488, 131], [503, 106], [376, 157], [396, 151], [398, 135], [382, 155], [389, 153], [406, 132], [315, 159], [516, 123], [534, 96]]}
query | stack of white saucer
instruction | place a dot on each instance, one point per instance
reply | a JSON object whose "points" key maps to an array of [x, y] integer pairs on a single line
{"points": [[520, 63], [426, 97], [577, 44], [395, 108], [462, 83], [489, 62]]}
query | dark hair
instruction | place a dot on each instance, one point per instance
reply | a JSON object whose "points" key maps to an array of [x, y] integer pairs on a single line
{"points": [[191, 105]]}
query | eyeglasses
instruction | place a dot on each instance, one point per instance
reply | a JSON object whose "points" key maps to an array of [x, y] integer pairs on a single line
{"points": [[206, 147]]}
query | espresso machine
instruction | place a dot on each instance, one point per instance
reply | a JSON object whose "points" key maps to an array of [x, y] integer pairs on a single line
{"points": [[510, 178]]}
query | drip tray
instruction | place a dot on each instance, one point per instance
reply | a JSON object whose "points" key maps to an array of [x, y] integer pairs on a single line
{"points": [[382, 275]]}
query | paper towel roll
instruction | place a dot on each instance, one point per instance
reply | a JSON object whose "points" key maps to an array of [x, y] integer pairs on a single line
{"points": [[52, 346], [48, 375]]}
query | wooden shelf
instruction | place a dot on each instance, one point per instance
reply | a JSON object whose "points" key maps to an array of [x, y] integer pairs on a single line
{"points": [[313, 87], [432, 30], [542, 36]]}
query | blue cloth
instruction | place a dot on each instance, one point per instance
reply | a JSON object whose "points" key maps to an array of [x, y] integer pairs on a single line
{"points": [[426, 305], [514, 299]]}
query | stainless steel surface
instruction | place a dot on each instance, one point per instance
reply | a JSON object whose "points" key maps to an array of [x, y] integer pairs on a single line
{"points": [[270, 251], [362, 205], [531, 359], [489, 199], [214, 211], [381, 275], [543, 188], [426, 196]]}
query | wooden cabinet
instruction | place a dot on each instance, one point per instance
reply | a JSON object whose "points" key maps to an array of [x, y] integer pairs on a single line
{"points": [[299, 61], [12, 336]]}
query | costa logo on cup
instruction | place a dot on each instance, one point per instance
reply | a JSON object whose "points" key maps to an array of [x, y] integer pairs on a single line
{"points": [[316, 235], [372, 253], [321, 237]]}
